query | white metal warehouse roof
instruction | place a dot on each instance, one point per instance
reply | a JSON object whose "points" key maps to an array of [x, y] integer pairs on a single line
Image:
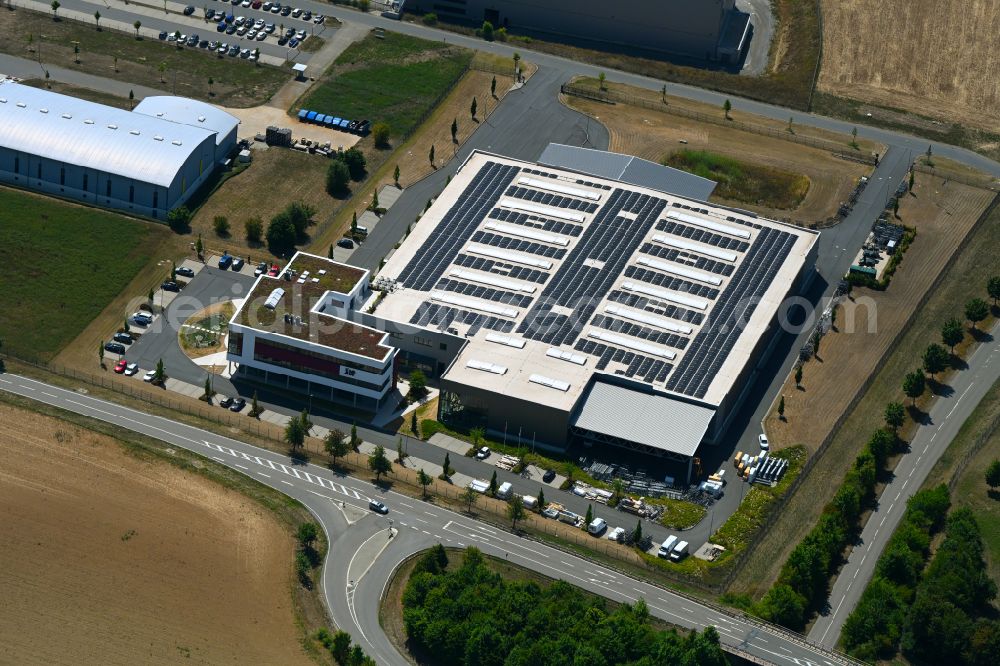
{"points": [[189, 112], [95, 136], [657, 421]]}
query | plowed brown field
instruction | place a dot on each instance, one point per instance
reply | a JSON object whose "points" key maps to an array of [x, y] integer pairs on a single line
{"points": [[109, 559]]}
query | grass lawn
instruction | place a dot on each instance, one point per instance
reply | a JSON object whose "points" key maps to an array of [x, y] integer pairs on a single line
{"points": [[63, 264], [236, 84], [98, 96], [741, 181], [396, 80]]}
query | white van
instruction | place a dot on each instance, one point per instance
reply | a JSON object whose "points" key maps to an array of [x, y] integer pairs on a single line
{"points": [[667, 547], [596, 526], [361, 229], [529, 501], [505, 490], [679, 551]]}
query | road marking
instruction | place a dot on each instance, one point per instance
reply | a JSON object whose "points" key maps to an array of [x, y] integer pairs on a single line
{"points": [[461, 544], [217, 458], [404, 504], [426, 532], [955, 406], [51, 395], [933, 436], [287, 483], [904, 485], [438, 536], [421, 520], [638, 590], [569, 564], [27, 388], [926, 447], [428, 513], [6, 381], [241, 466], [883, 520], [268, 476]]}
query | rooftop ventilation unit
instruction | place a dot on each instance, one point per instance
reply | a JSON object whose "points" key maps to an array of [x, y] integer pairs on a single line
{"points": [[135, 132], [66, 116], [176, 142], [88, 121], [22, 105], [157, 138], [272, 300], [201, 119], [555, 352], [43, 110], [505, 340], [112, 127], [708, 224]]}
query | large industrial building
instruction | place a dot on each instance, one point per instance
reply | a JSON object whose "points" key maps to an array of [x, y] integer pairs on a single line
{"points": [[712, 30], [551, 305], [147, 161]]}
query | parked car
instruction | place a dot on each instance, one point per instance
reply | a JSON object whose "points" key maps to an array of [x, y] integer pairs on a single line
{"points": [[172, 37], [266, 7], [306, 15], [762, 440], [131, 369], [282, 40], [223, 47], [292, 43], [275, 269], [378, 506], [170, 285], [238, 264], [596, 526], [226, 260], [259, 23], [163, 35], [255, 4], [221, 27], [184, 270], [120, 366], [617, 534], [231, 29], [209, 14], [550, 513], [296, 12], [245, 53], [261, 269], [124, 338], [261, 36], [483, 453], [276, 8], [318, 19], [114, 347], [189, 10], [238, 404], [346, 243], [269, 28], [246, 3], [549, 476], [142, 318], [149, 376], [226, 402], [285, 11]]}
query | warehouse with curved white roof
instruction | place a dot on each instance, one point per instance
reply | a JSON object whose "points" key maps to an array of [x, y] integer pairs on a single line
{"points": [[109, 157]]}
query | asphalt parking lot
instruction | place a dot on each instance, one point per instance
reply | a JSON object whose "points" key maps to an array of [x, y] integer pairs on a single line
{"points": [[159, 341]]}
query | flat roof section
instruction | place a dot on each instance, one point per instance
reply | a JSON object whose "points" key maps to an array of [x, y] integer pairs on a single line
{"points": [[652, 288], [656, 421], [313, 277]]}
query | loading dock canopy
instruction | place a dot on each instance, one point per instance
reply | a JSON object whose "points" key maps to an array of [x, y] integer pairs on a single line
{"points": [[652, 420]]}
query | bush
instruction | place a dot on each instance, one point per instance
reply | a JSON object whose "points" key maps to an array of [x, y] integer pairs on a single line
{"points": [[254, 228], [355, 161], [179, 219], [381, 134], [281, 236], [338, 179], [221, 226], [487, 31], [430, 19]]}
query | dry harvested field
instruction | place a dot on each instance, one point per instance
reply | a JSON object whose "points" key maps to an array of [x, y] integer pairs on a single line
{"points": [[942, 214], [653, 135], [937, 58], [111, 559]]}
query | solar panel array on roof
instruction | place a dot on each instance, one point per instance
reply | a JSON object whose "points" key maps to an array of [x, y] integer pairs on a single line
{"points": [[656, 307], [702, 236], [441, 248], [611, 239], [710, 347], [440, 316], [518, 244], [486, 293], [685, 258], [550, 199], [670, 282], [648, 369], [640, 332], [557, 226], [502, 268]]}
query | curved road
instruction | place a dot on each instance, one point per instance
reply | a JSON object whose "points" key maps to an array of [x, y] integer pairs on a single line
{"points": [[354, 607]]}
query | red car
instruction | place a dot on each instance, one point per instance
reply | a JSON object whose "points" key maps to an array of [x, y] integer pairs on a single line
{"points": [[256, 4], [274, 270], [120, 366]]}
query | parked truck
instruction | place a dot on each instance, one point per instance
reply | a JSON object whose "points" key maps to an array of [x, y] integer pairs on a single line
{"points": [[679, 552]]}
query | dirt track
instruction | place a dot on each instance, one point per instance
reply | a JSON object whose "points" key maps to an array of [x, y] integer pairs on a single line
{"points": [[937, 58], [111, 559]]}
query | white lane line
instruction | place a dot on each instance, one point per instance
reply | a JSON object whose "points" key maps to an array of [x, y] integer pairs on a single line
{"points": [[955, 406], [926, 447], [287, 483], [932, 437], [638, 590], [217, 458], [51, 395], [27, 388], [404, 504], [6, 381], [428, 513], [438, 536], [426, 532], [569, 564], [241, 466], [883, 520], [421, 520]]}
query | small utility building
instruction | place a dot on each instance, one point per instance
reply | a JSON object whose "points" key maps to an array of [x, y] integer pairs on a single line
{"points": [[147, 161]]}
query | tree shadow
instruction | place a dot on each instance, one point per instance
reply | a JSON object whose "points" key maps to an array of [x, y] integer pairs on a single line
{"points": [[980, 336], [800, 387], [958, 363], [298, 457], [940, 388], [993, 494], [919, 416]]}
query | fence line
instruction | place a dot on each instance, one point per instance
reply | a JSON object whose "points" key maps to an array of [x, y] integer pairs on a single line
{"points": [[778, 508], [613, 96], [985, 183], [981, 440]]}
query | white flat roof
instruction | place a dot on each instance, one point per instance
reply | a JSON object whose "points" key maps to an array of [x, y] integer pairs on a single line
{"points": [[630, 289]]}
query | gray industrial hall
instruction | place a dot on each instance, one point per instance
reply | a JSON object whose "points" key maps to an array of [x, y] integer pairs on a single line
{"points": [[147, 161], [710, 30]]}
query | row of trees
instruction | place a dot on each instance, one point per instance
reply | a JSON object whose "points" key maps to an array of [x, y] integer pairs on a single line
{"points": [[803, 584], [472, 616], [345, 167], [872, 631], [340, 648]]}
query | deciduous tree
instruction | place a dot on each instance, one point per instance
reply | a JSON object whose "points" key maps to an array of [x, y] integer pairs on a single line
{"points": [[379, 463]]}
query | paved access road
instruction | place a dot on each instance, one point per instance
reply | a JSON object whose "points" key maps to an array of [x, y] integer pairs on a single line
{"points": [[353, 590], [945, 419]]}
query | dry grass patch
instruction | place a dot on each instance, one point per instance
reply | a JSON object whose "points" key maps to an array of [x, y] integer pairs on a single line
{"points": [[97, 541], [655, 135], [942, 216], [933, 57]]}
